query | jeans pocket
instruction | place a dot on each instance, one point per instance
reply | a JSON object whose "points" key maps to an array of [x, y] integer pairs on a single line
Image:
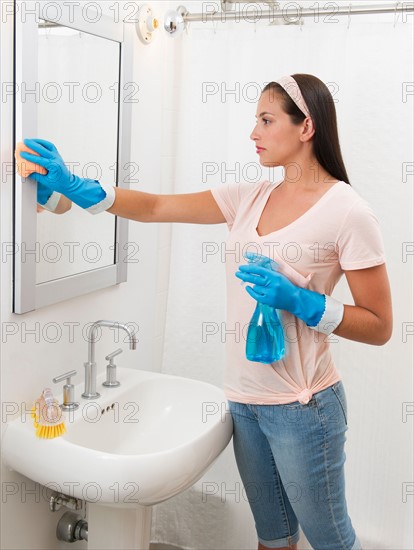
{"points": [[339, 392]]}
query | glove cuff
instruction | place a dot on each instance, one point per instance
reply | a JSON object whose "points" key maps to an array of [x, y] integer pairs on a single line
{"points": [[106, 202], [309, 306], [52, 201], [332, 316]]}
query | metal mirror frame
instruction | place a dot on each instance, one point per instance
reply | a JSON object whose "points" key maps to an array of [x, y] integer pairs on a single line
{"points": [[27, 295]]}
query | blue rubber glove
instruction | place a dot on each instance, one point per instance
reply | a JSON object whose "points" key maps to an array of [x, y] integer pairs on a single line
{"points": [[86, 193], [275, 290], [43, 193], [48, 199]]}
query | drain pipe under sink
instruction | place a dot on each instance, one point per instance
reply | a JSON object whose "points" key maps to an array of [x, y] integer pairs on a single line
{"points": [[72, 527]]}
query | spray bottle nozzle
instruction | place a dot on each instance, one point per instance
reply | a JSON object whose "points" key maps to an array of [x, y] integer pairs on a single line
{"points": [[259, 259]]}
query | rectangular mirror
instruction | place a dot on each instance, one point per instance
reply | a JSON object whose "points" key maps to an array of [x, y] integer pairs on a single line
{"points": [[71, 89], [76, 102]]}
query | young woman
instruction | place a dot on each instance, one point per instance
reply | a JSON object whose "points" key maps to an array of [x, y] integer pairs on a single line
{"points": [[290, 416]]}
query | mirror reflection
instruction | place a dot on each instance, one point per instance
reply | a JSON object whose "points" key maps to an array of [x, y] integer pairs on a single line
{"points": [[78, 76]]}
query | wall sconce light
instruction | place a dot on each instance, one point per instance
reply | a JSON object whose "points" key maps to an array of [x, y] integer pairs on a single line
{"points": [[146, 24]]}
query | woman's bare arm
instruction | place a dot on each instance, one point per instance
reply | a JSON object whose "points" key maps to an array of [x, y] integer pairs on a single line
{"points": [[63, 206], [370, 319], [148, 207]]}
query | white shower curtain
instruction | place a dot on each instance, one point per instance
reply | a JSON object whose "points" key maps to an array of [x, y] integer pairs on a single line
{"points": [[368, 68]]}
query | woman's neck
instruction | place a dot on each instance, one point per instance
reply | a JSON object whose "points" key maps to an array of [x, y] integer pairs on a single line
{"points": [[311, 179]]}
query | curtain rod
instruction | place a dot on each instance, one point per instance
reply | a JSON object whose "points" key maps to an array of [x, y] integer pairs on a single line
{"points": [[298, 12], [289, 14]]}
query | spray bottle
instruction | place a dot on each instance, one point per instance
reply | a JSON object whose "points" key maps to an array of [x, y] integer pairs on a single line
{"points": [[265, 341]]}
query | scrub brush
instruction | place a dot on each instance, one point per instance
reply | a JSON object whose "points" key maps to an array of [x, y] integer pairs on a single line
{"points": [[48, 416]]}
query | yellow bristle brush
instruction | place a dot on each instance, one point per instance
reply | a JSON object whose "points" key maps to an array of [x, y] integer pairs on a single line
{"points": [[48, 416]]}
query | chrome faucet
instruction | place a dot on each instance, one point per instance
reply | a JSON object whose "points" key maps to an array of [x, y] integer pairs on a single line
{"points": [[90, 367]]}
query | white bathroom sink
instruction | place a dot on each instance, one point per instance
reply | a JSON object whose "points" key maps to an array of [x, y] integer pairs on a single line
{"points": [[140, 443]]}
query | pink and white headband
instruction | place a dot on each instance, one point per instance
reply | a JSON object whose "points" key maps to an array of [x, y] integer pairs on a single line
{"points": [[291, 87]]}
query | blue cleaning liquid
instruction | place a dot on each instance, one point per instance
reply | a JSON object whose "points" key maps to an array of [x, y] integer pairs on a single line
{"points": [[265, 339]]}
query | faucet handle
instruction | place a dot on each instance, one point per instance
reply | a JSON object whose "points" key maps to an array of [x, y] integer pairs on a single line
{"points": [[69, 403], [110, 356], [67, 375], [111, 381]]}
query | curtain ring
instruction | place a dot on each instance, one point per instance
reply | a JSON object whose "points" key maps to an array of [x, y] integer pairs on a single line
{"points": [[396, 13], [349, 14]]}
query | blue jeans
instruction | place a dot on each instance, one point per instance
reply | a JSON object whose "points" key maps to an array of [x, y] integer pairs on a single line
{"points": [[291, 461]]}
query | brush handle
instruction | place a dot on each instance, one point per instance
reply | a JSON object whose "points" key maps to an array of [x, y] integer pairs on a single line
{"points": [[48, 396]]}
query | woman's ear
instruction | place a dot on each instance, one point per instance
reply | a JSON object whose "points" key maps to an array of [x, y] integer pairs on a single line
{"points": [[308, 129]]}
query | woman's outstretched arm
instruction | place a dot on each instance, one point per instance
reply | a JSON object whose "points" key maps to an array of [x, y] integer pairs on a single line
{"points": [[148, 207], [96, 197]]}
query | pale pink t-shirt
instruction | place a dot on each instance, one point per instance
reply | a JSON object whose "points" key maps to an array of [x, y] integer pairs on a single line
{"points": [[339, 232]]}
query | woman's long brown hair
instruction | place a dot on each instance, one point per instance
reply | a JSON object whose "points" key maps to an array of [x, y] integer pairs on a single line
{"points": [[321, 106]]}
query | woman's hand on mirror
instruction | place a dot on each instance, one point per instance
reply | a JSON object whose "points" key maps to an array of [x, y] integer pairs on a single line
{"points": [[86, 193]]}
